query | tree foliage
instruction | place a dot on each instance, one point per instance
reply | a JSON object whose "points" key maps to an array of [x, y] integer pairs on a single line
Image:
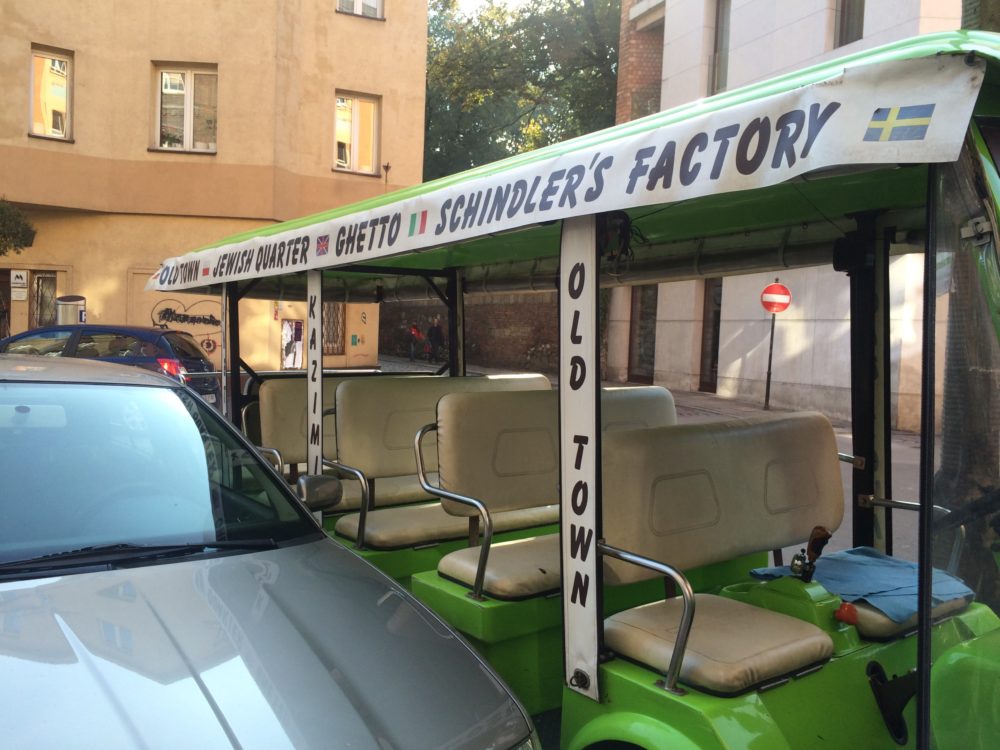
{"points": [[507, 80], [16, 232]]}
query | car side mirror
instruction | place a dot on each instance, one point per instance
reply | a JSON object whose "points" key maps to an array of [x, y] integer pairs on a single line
{"points": [[319, 493]]}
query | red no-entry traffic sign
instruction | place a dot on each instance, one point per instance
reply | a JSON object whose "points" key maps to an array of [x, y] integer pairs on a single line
{"points": [[776, 298]]}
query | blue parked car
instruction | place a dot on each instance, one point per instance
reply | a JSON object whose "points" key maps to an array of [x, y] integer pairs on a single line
{"points": [[174, 353]]}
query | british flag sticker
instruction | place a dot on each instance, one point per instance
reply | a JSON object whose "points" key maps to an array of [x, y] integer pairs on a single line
{"points": [[323, 244]]}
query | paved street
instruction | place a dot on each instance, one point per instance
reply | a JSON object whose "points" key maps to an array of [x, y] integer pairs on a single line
{"points": [[704, 407]]}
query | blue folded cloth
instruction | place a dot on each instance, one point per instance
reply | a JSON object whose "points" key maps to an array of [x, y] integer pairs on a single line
{"points": [[886, 583]]}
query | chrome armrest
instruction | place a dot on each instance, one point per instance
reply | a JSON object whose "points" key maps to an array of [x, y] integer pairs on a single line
{"points": [[687, 615], [365, 495], [484, 548]]}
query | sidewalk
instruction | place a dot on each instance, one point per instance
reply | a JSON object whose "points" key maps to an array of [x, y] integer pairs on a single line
{"points": [[692, 406]]}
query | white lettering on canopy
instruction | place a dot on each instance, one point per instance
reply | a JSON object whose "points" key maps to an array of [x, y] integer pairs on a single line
{"points": [[907, 111]]}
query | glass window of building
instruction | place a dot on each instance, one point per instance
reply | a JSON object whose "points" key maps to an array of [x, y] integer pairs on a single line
{"points": [[850, 21], [187, 108], [367, 8], [356, 133], [51, 93]]}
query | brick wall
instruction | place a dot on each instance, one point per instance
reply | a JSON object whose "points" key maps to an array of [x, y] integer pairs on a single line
{"points": [[507, 331], [640, 63]]}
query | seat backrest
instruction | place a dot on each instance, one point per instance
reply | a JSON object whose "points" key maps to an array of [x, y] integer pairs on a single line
{"points": [[691, 495], [378, 418], [284, 417], [503, 448], [624, 408]]}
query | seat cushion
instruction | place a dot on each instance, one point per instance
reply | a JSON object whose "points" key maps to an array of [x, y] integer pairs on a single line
{"points": [[517, 569], [389, 491], [413, 525], [874, 624], [732, 646]]}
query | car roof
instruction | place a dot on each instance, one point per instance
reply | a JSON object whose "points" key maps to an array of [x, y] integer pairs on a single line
{"points": [[142, 331], [28, 368]]}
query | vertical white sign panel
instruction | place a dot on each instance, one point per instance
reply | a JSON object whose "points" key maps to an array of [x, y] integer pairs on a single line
{"points": [[579, 436], [314, 372]]}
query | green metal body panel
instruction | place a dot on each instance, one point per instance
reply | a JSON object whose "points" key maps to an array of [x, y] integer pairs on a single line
{"points": [[401, 564], [830, 708], [965, 680]]}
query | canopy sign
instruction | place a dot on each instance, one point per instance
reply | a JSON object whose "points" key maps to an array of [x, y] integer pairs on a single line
{"points": [[909, 111]]}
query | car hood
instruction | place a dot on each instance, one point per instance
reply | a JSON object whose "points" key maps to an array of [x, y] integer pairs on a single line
{"points": [[305, 646]]}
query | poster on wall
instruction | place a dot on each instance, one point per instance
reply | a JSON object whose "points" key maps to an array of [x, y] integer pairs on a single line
{"points": [[291, 344]]}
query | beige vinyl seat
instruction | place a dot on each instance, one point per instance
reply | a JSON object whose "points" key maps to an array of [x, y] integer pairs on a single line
{"points": [[698, 494], [283, 418], [502, 449], [381, 416]]}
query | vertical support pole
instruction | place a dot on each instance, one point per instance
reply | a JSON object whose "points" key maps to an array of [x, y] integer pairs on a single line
{"points": [[314, 371], [456, 324], [232, 375], [579, 452], [925, 530], [224, 404], [882, 436], [770, 355], [862, 275]]}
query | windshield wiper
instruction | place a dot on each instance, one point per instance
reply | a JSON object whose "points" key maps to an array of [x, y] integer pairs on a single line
{"points": [[127, 552]]}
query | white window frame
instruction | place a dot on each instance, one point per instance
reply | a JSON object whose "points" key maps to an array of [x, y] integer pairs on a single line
{"points": [[359, 8], [61, 63], [189, 72], [355, 132]]}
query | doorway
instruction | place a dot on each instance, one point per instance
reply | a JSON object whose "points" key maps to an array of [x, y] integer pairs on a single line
{"points": [[642, 334], [711, 321]]}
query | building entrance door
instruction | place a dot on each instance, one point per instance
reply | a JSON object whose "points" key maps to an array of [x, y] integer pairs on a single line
{"points": [[710, 324], [4, 303], [642, 334]]}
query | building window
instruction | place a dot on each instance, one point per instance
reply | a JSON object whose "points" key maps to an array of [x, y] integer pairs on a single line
{"points": [[187, 108], [720, 51], [366, 8], [334, 325], [850, 21], [356, 133], [51, 93]]}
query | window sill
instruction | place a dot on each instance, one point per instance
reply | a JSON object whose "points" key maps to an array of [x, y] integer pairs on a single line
{"points": [[55, 138], [188, 152], [359, 15], [339, 170]]}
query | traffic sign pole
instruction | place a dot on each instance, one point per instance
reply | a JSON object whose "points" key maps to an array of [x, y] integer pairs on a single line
{"points": [[775, 299], [770, 352]]}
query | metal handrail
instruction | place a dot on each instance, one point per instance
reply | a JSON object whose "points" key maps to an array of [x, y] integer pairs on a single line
{"points": [[687, 615], [273, 455], [359, 543], [858, 462], [484, 547]]}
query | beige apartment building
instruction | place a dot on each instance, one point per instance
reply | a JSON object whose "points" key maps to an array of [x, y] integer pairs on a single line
{"points": [[133, 131], [712, 334]]}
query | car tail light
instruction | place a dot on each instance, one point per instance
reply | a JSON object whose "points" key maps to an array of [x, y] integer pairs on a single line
{"points": [[172, 367]]}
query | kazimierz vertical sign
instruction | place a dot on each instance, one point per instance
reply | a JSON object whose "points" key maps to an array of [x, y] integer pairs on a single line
{"points": [[314, 388], [579, 439]]}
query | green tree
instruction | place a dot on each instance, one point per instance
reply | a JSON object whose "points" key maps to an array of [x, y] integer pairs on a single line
{"points": [[16, 232], [507, 80]]}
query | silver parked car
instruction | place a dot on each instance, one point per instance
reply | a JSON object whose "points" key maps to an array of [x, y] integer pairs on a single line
{"points": [[160, 586]]}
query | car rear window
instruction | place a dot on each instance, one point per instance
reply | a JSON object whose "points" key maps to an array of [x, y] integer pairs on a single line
{"points": [[184, 345]]}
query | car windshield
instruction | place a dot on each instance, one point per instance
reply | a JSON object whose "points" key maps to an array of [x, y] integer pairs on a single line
{"points": [[91, 465]]}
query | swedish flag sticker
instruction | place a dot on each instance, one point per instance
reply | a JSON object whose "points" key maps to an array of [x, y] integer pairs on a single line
{"points": [[900, 123]]}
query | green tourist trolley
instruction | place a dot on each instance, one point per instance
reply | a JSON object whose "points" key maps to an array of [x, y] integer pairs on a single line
{"points": [[648, 617]]}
